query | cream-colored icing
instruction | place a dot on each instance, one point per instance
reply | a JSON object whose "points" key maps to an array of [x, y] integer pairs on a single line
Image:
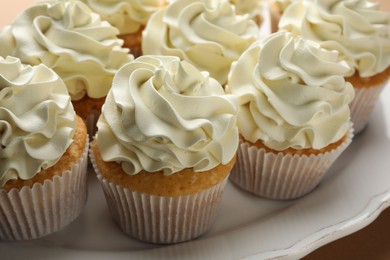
{"points": [[37, 120], [162, 114], [72, 40], [357, 29], [207, 34], [292, 93], [129, 15], [251, 7], [283, 4]]}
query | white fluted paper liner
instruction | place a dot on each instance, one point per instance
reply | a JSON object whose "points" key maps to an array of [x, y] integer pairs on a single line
{"points": [[279, 176], [91, 122], [44, 208], [363, 104], [161, 219]]}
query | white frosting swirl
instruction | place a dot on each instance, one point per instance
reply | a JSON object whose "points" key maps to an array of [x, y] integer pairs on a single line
{"points": [[37, 120], [357, 29], [292, 93], [283, 4], [207, 34], [162, 114], [128, 15], [252, 7], [67, 37]]}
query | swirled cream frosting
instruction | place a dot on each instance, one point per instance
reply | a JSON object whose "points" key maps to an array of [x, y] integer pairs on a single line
{"points": [[208, 34], [251, 7], [72, 40], [37, 120], [291, 93], [357, 29], [283, 4], [162, 114], [129, 15]]}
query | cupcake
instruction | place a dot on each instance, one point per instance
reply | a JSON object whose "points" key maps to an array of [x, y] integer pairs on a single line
{"points": [[69, 38], [43, 153], [359, 31], [293, 117], [166, 142], [129, 16], [208, 34]]}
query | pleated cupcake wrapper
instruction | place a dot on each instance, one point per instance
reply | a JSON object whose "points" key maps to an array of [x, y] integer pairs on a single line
{"points": [[279, 176], [44, 208], [363, 105], [161, 219], [91, 121]]}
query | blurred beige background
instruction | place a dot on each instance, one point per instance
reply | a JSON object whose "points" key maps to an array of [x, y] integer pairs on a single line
{"points": [[8, 9]]}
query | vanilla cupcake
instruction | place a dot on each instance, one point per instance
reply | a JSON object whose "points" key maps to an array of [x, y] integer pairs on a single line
{"points": [[208, 34], [359, 31], [43, 153], [165, 145], [293, 117], [129, 16], [69, 38]]}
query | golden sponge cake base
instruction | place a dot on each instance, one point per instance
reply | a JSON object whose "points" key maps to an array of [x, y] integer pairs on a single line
{"points": [[181, 183], [307, 151], [376, 80]]}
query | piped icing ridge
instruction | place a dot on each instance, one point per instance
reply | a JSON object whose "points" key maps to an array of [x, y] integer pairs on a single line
{"points": [[251, 7], [208, 34], [129, 15]]}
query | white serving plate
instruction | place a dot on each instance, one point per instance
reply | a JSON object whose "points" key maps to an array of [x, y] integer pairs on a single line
{"points": [[353, 193]]}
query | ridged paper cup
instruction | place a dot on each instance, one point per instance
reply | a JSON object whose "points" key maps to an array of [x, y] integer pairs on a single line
{"points": [[43, 209], [363, 104], [161, 219], [282, 176]]}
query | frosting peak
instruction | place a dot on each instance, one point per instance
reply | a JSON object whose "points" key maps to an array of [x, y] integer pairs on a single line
{"points": [[292, 93], [207, 34], [162, 114], [252, 7], [128, 15], [37, 120], [72, 40]]}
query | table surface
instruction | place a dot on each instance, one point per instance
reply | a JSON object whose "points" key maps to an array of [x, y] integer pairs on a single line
{"points": [[371, 242]]}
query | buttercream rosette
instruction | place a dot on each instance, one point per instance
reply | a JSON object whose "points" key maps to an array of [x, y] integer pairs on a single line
{"points": [[208, 34], [359, 31]]}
